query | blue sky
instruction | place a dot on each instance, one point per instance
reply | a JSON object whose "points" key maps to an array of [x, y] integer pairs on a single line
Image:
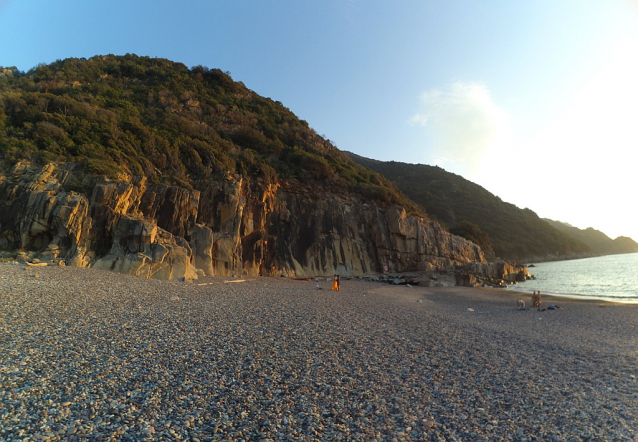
{"points": [[535, 101]]}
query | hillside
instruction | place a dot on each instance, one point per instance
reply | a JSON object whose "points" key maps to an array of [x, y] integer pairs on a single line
{"points": [[599, 243], [146, 167], [469, 210], [123, 116]]}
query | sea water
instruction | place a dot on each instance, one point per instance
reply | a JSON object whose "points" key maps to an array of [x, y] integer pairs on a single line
{"points": [[610, 278]]}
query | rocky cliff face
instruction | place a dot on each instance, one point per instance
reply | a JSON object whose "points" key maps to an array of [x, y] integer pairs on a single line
{"points": [[229, 227], [474, 274]]}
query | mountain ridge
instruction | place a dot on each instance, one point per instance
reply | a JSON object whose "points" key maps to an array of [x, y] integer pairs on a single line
{"points": [[469, 210], [597, 240], [123, 116], [147, 167]]}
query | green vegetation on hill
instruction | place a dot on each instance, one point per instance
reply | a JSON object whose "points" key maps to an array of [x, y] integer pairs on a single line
{"points": [[128, 115], [470, 211], [599, 243]]}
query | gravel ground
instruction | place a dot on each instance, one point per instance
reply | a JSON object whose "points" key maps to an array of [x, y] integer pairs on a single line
{"points": [[92, 355]]}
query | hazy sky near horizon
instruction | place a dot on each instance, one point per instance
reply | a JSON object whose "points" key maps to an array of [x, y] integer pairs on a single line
{"points": [[535, 101]]}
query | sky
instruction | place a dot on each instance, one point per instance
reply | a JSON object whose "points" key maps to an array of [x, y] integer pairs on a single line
{"points": [[536, 101]]}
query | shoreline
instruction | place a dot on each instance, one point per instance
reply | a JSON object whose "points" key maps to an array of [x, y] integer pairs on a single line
{"points": [[606, 278], [549, 260], [574, 296], [272, 358]]}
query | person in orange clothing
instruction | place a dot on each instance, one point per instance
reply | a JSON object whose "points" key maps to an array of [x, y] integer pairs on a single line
{"points": [[336, 285]]}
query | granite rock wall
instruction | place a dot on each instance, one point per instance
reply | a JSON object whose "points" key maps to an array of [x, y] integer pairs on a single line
{"points": [[229, 227]]}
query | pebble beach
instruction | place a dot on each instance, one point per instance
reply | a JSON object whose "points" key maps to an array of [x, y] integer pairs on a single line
{"points": [[88, 355]]}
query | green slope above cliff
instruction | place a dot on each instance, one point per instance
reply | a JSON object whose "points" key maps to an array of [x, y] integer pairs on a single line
{"points": [[129, 115], [469, 210]]}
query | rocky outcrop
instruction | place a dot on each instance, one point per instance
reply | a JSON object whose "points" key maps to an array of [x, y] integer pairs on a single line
{"points": [[338, 234], [140, 248], [493, 273], [228, 227]]}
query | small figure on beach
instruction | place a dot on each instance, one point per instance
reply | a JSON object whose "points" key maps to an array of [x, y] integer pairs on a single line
{"points": [[520, 304], [336, 285], [536, 299], [550, 307]]}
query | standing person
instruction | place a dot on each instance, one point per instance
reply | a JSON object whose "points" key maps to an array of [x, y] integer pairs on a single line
{"points": [[335, 284], [536, 299], [338, 279]]}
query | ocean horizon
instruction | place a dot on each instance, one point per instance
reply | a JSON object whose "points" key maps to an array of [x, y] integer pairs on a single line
{"points": [[606, 278]]}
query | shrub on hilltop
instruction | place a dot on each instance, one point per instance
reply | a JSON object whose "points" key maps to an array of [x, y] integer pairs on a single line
{"points": [[130, 115]]}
